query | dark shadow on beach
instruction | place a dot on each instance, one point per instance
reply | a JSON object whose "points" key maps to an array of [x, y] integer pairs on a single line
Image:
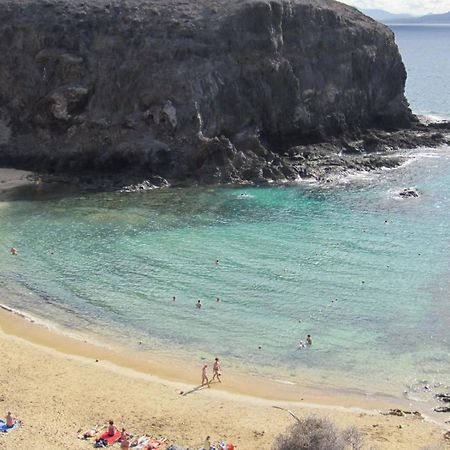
{"points": [[197, 388]]}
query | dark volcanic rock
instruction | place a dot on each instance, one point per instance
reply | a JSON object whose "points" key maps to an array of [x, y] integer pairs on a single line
{"points": [[408, 193], [442, 409], [206, 91], [443, 397]]}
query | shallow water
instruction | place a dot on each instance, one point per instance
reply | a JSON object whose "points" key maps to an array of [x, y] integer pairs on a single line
{"points": [[361, 270]]}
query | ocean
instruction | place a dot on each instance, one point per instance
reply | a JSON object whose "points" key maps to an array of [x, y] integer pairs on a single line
{"points": [[363, 271]]}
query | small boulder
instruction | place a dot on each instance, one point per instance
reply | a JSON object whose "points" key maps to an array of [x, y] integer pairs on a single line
{"points": [[443, 397], [409, 193], [442, 409]]}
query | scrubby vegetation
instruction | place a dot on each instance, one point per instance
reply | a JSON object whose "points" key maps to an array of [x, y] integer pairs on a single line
{"points": [[315, 433]]}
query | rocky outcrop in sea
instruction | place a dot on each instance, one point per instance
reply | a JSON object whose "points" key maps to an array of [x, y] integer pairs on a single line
{"points": [[200, 92]]}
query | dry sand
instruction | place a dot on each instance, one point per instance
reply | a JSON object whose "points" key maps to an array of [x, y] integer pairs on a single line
{"points": [[58, 393], [12, 178]]}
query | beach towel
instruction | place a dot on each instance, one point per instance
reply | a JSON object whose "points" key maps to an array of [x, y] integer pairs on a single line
{"points": [[5, 429], [141, 443], [105, 439]]}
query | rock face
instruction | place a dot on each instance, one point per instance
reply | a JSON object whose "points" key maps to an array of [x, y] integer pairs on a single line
{"points": [[210, 91]]}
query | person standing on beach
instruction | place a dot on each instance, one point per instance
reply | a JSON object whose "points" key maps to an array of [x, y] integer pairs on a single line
{"points": [[216, 370], [205, 375]]}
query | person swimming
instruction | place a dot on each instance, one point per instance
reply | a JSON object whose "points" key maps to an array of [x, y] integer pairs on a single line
{"points": [[13, 251], [309, 340], [301, 345], [198, 304]]}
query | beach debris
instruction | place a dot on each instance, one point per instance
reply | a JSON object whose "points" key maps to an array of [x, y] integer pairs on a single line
{"points": [[258, 434], [447, 435], [289, 411], [401, 413], [442, 409], [409, 193], [396, 412]]}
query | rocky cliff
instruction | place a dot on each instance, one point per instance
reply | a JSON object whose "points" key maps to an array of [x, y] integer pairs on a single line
{"points": [[204, 90]]}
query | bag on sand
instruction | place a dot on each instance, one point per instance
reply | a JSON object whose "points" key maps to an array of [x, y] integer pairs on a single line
{"points": [[101, 443]]}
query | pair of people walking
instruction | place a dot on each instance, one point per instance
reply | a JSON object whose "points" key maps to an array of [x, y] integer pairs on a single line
{"points": [[216, 373]]}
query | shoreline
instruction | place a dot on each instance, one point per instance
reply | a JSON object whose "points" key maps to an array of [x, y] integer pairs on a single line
{"points": [[12, 179], [51, 380], [247, 418], [163, 368]]}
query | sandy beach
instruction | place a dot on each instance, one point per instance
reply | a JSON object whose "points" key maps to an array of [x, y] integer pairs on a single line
{"points": [[11, 179], [54, 384]]}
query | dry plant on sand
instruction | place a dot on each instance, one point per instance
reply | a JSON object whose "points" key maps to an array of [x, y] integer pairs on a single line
{"points": [[315, 433]]}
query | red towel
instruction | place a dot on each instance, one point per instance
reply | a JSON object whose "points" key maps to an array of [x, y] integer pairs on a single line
{"points": [[111, 439]]}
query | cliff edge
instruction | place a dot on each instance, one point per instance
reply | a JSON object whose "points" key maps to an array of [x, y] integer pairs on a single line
{"points": [[208, 91]]}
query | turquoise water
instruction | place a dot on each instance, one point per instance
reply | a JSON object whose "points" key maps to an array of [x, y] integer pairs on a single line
{"points": [[365, 272], [361, 270]]}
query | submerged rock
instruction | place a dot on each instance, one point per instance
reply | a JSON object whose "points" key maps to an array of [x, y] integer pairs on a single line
{"points": [[206, 91]]}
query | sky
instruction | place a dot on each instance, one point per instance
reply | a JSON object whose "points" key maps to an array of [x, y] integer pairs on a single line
{"points": [[415, 7]]}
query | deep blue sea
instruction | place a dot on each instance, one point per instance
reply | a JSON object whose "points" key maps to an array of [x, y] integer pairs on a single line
{"points": [[364, 272], [424, 49]]}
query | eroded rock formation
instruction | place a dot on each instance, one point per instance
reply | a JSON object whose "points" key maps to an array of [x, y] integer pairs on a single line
{"points": [[205, 90]]}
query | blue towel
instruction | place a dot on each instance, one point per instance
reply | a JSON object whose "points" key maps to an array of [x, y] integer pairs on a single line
{"points": [[5, 429]]}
